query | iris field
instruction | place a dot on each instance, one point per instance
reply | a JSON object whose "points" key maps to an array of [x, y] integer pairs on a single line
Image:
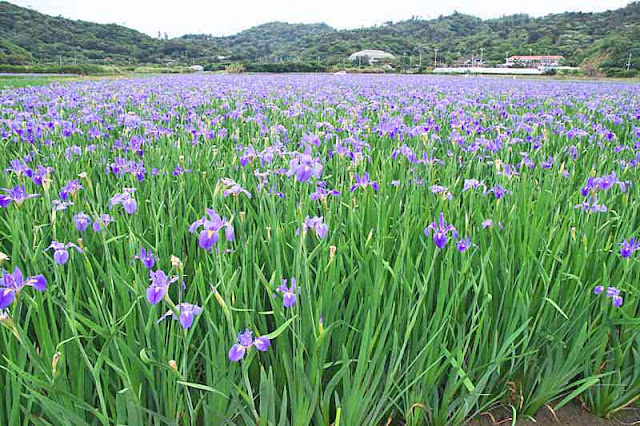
{"points": [[293, 250]]}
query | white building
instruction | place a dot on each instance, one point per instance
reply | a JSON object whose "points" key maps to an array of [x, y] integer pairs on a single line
{"points": [[372, 57], [486, 70], [534, 61], [196, 68]]}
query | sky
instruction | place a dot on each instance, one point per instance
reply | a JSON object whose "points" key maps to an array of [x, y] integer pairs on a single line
{"points": [[224, 17]]}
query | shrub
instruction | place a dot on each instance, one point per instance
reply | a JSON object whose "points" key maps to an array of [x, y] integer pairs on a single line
{"points": [[235, 68]]}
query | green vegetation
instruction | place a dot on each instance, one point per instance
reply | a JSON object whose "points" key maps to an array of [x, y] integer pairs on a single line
{"points": [[17, 81], [83, 69], [28, 37], [526, 299], [280, 67], [598, 41]]}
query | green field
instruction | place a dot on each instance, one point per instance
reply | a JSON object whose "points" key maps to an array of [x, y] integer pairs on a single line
{"points": [[458, 246]]}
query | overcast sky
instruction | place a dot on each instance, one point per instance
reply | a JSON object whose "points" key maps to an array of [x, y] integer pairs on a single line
{"points": [[224, 17]]}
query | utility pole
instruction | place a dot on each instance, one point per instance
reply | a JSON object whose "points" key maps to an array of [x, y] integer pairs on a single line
{"points": [[481, 55], [420, 58], [630, 56], [435, 57]]}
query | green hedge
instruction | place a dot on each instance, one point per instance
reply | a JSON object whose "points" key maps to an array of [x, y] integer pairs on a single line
{"points": [[65, 69], [283, 67], [622, 72]]}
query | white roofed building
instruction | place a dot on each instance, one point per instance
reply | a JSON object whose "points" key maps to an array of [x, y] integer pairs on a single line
{"points": [[372, 57], [535, 61]]}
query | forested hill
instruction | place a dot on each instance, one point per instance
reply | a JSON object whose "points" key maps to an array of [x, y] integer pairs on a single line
{"points": [[27, 36], [603, 39]]}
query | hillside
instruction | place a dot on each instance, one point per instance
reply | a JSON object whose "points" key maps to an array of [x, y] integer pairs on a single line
{"points": [[27, 36], [604, 38], [263, 42]]}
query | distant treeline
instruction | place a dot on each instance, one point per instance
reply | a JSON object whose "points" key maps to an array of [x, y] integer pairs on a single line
{"points": [[281, 67], [608, 42]]}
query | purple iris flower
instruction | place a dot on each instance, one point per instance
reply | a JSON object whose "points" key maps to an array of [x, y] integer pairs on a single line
{"points": [[245, 342], [443, 191], [628, 247], [159, 286], [304, 167], [573, 152], [60, 205], [364, 181], [464, 244], [248, 155], [41, 174], [179, 170], [289, 297], [527, 162], [16, 195], [227, 182], [591, 205], [121, 166], [509, 171], [72, 151], [19, 167], [441, 230], [128, 202], [211, 227], [322, 193], [472, 184], [342, 150], [61, 251], [487, 223], [315, 223], [187, 313], [405, 151], [82, 221], [71, 187], [236, 190], [101, 222], [612, 293], [147, 258], [603, 183], [498, 192], [548, 164], [12, 284], [262, 343]]}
